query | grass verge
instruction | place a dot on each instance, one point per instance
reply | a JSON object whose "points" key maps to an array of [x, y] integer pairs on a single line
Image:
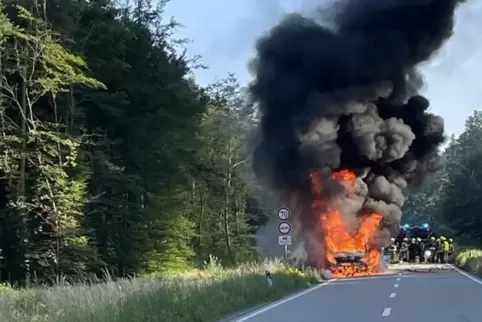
{"points": [[469, 259], [195, 296]]}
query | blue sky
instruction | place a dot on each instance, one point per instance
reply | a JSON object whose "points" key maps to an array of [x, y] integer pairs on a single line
{"points": [[223, 32]]}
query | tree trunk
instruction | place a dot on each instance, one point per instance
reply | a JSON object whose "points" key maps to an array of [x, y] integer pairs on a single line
{"points": [[70, 118], [227, 200], [200, 225], [23, 161], [236, 216]]}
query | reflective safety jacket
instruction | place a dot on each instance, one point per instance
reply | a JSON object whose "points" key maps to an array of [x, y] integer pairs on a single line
{"points": [[451, 247], [446, 246]]}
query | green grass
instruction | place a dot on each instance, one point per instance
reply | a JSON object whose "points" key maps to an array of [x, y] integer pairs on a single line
{"points": [[203, 295], [470, 259]]}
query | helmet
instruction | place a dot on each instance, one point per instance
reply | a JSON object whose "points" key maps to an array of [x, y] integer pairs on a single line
{"points": [[442, 238], [405, 239], [392, 239], [451, 240], [432, 238], [419, 239]]}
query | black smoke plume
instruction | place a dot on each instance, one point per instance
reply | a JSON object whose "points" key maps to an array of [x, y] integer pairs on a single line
{"points": [[345, 96]]}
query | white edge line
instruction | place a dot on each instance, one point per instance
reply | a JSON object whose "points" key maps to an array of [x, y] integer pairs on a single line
{"points": [[282, 301], [393, 295], [396, 285], [386, 311], [476, 280]]}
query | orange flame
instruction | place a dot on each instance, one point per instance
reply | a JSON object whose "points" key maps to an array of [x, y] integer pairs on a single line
{"points": [[337, 237]]}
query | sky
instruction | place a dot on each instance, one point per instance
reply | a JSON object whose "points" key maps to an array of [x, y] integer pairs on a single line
{"points": [[224, 32]]}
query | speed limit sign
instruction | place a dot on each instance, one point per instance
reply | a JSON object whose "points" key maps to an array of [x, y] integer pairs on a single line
{"points": [[284, 213]]}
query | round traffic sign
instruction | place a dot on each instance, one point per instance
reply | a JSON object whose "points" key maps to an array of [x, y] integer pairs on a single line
{"points": [[284, 213], [284, 228]]}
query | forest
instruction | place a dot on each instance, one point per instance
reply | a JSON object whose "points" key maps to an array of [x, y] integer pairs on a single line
{"points": [[113, 159]]}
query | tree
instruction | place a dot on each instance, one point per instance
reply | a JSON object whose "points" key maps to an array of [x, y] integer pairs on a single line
{"points": [[112, 157], [461, 202], [40, 159], [219, 188]]}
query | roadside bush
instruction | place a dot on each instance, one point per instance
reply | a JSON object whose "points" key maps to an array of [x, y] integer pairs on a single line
{"points": [[470, 259]]}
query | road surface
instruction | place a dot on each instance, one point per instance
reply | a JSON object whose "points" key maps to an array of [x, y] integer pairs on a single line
{"points": [[446, 296]]}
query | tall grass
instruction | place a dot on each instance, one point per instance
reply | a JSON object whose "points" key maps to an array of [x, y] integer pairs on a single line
{"points": [[201, 295]]}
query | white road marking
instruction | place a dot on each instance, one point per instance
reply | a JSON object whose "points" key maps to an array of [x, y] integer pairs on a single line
{"points": [[282, 301], [393, 295], [476, 280], [398, 278], [386, 311], [396, 285]]}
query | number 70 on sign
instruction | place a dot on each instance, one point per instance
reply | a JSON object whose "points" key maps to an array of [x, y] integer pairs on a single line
{"points": [[284, 213]]}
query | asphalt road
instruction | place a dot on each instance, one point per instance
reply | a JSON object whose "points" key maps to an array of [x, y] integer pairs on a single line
{"points": [[446, 296]]}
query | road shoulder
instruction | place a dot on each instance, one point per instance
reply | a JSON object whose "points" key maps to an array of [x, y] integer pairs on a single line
{"points": [[240, 314], [467, 274], [252, 312]]}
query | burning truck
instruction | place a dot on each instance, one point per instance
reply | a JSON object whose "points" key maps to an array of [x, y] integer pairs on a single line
{"points": [[343, 130]]}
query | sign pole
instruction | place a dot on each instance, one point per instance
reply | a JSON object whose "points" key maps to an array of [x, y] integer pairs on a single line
{"points": [[284, 228]]}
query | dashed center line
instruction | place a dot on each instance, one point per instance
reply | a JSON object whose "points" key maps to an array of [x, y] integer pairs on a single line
{"points": [[386, 311], [396, 285], [398, 278], [393, 295]]}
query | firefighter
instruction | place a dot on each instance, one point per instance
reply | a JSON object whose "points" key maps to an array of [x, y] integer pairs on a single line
{"points": [[421, 249], [432, 245], [445, 249], [412, 250], [403, 255], [438, 250], [393, 251], [451, 248]]}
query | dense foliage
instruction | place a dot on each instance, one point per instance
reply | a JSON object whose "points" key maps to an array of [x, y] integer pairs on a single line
{"points": [[112, 157]]}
